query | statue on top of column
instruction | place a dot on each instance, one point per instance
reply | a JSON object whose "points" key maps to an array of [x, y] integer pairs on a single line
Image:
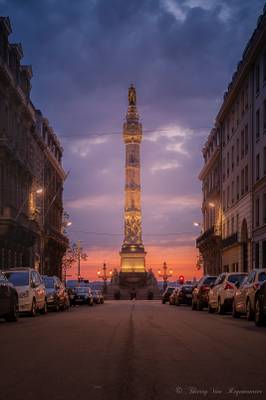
{"points": [[132, 98]]}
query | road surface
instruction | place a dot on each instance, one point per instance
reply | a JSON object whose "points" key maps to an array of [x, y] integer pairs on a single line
{"points": [[132, 350]]}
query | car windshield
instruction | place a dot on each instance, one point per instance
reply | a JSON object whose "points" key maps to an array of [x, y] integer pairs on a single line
{"points": [[209, 280], [81, 290], [18, 278], [170, 289], [48, 282], [236, 278], [262, 277]]}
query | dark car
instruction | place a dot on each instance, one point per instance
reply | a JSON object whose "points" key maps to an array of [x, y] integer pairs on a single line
{"points": [[166, 294], [83, 295], [184, 294], [244, 296], [55, 293], [97, 296], [200, 292], [260, 305], [8, 300]]}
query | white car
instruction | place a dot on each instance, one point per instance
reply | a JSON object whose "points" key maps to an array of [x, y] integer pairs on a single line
{"points": [[222, 291], [30, 288]]}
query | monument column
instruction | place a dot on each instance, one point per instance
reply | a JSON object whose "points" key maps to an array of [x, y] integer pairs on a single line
{"points": [[132, 252]]}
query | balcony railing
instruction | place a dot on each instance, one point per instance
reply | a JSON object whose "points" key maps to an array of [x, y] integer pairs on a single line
{"points": [[230, 240]]}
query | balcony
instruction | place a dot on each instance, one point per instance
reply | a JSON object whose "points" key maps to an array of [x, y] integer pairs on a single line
{"points": [[230, 240]]}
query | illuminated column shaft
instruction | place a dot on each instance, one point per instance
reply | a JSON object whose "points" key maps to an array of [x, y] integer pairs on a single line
{"points": [[133, 253]]}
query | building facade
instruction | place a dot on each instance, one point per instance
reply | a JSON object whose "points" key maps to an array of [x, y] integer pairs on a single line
{"points": [[241, 124], [209, 242], [31, 174]]}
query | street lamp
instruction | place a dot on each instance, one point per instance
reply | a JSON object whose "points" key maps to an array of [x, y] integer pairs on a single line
{"points": [[104, 276], [165, 275], [196, 223], [211, 204]]}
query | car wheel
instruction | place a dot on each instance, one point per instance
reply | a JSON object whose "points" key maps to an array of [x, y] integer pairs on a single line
{"points": [[33, 310], [57, 306], [13, 315], [258, 317], [199, 305], [250, 313], [210, 309], [235, 314], [163, 301], [43, 310], [220, 308]]}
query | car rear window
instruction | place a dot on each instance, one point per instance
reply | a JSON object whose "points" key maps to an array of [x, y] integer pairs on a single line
{"points": [[49, 282], [209, 280], [236, 278], [18, 278], [262, 277]]}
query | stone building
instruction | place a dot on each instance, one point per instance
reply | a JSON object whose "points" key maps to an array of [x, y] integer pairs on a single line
{"points": [[241, 123], [209, 242], [31, 174]]}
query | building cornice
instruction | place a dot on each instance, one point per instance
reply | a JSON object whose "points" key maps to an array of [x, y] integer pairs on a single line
{"points": [[209, 164]]}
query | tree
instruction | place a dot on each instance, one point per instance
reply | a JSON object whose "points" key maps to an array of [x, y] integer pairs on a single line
{"points": [[74, 253]]}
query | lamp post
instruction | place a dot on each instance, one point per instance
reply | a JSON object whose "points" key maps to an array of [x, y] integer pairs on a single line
{"points": [[104, 276], [165, 275]]}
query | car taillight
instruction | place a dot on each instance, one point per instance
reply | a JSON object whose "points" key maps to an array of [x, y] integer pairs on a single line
{"points": [[256, 286], [228, 286], [205, 288]]}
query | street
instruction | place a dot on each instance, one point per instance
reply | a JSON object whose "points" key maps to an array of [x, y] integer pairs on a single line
{"points": [[132, 350]]}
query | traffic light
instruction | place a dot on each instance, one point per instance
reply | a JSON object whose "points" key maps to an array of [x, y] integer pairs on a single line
{"points": [[181, 279]]}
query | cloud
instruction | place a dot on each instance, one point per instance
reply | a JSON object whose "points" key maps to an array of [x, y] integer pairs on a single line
{"points": [[164, 166], [82, 147], [95, 202]]}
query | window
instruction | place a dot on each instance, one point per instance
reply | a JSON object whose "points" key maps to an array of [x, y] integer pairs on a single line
{"points": [[264, 160], [264, 116], [228, 196], [257, 255], [246, 178], [246, 97], [242, 182], [257, 167], [237, 187], [232, 225], [233, 192], [233, 158], [257, 211], [237, 151], [264, 254], [242, 144], [237, 222], [257, 73], [264, 208], [264, 68], [258, 124], [246, 139]]}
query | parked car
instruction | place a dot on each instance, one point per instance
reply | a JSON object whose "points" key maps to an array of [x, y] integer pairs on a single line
{"points": [[55, 293], [222, 291], [166, 294], [201, 291], [172, 298], [260, 305], [8, 300], [30, 288], [245, 295], [184, 293], [96, 296], [83, 295]]}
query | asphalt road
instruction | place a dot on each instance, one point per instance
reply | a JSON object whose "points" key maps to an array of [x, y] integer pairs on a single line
{"points": [[129, 351]]}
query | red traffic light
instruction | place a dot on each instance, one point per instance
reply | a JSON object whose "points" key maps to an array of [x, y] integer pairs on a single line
{"points": [[181, 279]]}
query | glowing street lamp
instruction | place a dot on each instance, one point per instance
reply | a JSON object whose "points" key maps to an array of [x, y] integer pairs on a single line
{"points": [[165, 275], [211, 204], [39, 190]]}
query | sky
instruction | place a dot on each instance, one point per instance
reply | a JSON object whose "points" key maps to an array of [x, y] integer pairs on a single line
{"points": [[180, 55]]}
